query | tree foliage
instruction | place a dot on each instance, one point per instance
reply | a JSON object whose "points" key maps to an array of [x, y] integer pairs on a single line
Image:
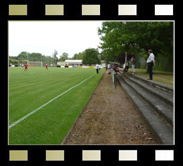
{"points": [[64, 56], [78, 56], [55, 54], [24, 56], [135, 37], [90, 56]]}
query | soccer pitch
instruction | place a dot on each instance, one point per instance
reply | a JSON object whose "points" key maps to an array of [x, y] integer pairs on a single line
{"points": [[44, 104]]}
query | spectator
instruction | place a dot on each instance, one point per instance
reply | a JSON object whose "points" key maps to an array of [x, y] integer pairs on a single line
{"points": [[150, 63], [115, 68], [97, 68], [109, 69]]}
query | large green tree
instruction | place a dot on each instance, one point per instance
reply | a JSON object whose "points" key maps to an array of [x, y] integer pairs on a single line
{"points": [[78, 56], [54, 55], [35, 57], [23, 55], [135, 37], [64, 56], [90, 56]]}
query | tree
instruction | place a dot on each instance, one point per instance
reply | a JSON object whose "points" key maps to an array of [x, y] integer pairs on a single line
{"points": [[102, 57], [78, 56], [90, 56], [23, 56], [135, 37], [74, 57], [13, 60], [64, 56], [55, 56], [35, 56]]}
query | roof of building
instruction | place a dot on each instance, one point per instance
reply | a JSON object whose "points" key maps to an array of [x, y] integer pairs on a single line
{"points": [[73, 61]]}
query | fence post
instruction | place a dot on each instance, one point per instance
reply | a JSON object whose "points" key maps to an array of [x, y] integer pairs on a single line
{"points": [[115, 78]]}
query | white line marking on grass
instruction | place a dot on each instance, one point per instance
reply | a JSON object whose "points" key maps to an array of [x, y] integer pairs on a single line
{"points": [[18, 121]]}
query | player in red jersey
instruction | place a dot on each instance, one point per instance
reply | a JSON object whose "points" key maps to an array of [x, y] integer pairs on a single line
{"points": [[25, 67], [47, 66]]}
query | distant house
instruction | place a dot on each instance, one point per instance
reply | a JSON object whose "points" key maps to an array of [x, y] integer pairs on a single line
{"points": [[61, 63], [103, 64], [74, 62], [70, 63]]}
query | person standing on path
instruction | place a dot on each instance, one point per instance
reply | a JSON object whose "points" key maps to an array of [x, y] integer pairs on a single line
{"points": [[97, 68], [133, 64], [150, 63]]}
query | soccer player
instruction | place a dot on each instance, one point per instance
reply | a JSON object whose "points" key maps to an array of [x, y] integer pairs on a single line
{"points": [[47, 66], [25, 67]]}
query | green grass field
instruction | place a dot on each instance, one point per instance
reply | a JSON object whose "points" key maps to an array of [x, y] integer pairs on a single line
{"points": [[28, 90], [159, 76]]}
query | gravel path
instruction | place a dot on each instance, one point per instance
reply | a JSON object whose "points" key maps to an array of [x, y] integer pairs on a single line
{"points": [[110, 117]]}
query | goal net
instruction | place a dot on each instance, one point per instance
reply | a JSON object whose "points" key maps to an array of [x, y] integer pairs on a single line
{"points": [[35, 63]]}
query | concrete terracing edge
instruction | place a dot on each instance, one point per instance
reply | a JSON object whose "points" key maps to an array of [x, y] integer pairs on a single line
{"points": [[167, 88]]}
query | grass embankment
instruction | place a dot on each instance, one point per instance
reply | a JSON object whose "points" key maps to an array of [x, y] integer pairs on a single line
{"points": [[159, 76]]}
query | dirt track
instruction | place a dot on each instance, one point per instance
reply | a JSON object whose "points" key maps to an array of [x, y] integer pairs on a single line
{"points": [[110, 118]]}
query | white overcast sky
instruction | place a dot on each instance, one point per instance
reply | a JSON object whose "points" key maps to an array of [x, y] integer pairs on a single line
{"points": [[46, 36]]}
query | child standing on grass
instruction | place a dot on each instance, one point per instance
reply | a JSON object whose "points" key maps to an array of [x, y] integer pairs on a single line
{"points": [[46, 66]]}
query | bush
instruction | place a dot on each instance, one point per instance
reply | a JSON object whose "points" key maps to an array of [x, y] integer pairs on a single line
{"points": [[163, 64]]}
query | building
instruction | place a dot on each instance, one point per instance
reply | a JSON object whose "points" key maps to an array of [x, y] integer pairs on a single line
{"points": [[103, 64], [61, 63], [70, 63], [78, 64], [74, 62]]}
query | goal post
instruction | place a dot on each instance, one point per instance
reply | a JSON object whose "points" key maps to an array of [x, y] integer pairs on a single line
{"points": [[35, 64]]}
